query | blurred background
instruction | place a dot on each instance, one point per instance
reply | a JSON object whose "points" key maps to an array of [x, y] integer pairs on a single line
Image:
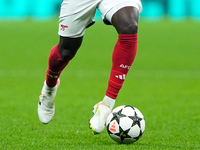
{"points": [[177, 10]]}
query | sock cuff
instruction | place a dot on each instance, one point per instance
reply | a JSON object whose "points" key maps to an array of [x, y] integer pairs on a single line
{"points": [[132, 37]]}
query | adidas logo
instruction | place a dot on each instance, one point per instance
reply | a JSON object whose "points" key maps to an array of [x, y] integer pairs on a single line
{"points": [[113, 127], [122, 77]]}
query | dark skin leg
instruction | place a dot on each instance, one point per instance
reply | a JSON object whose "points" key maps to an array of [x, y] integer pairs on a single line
{"points": [[68, 47], [124, 20]]}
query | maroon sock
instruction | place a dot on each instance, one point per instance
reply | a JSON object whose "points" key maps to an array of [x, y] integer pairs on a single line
{"points": [[55, 67], [123, 56]]}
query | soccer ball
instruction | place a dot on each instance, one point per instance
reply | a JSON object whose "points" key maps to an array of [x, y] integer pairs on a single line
{"points": [[125, 124]]}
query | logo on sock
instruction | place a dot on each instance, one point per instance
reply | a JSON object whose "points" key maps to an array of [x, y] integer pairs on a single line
{"points": [[125, 66], [63, 27], [122, 77], [52, 76]]}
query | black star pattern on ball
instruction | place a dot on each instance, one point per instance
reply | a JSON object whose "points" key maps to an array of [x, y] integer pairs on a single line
{"points": [[136, 120], [117, 115], [123, 134]]}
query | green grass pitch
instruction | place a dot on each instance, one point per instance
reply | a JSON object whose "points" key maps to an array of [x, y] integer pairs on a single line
{"points": [[164, 84]]}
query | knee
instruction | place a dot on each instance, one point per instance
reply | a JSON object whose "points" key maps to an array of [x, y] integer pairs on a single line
{"points": [[68, 47], [130, 27], [66, 53], [126, 20]]}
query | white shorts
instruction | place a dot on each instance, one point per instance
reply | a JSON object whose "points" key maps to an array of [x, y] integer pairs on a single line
{"points": [[76, 15]]}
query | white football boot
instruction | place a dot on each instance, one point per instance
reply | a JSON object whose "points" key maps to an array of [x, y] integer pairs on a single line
{"points": [[46, 105], [101, 111]]}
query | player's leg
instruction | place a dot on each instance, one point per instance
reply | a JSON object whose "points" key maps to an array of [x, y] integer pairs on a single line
{"points": [[72, 24], [124, 18], [59, 57], [125, 21]]}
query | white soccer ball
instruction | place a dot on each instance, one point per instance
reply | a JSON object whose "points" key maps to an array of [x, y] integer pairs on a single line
{"points": [[125, 124]]}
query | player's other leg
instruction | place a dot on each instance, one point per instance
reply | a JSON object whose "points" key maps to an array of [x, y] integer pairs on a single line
{"points": [[59, 57], [125, 21]]}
